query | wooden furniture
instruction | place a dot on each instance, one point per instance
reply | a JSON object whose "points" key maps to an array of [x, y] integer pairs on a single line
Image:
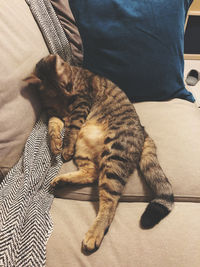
{"points": [[192, 32]]}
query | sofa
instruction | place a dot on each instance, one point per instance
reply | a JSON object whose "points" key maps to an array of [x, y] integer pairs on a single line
{"points": [[173, 124]]}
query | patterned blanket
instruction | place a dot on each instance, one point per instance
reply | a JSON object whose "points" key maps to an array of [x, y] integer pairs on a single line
{"points": [[25, 201]]}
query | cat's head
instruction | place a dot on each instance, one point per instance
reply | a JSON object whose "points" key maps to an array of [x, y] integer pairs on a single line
{"points": [[52, 76]]}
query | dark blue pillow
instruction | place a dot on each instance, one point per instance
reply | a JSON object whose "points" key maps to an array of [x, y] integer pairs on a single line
{"points": [[137, 44]]}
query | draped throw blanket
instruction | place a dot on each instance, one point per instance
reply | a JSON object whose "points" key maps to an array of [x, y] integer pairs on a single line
{"points": [[25, 201], [49, 24]]}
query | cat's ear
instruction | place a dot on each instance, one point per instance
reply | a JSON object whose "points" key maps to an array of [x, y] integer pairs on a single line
{"points": [[33, 81], [61, 66], [64, 76]]}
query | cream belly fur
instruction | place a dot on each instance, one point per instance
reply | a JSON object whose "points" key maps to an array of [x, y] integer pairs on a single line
{"points": [[90, 139]]}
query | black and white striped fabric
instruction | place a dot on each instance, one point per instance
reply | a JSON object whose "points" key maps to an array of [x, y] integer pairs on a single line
{"points": [[52, 30], [25, 201]]}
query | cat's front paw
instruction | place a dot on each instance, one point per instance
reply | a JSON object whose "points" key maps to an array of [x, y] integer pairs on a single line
{"points": [[92, 240], [57, 181], [67, 154], [56, 145]]}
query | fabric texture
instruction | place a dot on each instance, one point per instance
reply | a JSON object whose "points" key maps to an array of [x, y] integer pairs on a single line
{"points": [[136, 44], [21, 46], [173, 242], [49, 24], [25, 200], [174, 126], [69, 26]]}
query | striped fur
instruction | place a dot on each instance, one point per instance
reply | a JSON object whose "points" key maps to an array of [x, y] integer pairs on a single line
{"points": [[105, 138]]}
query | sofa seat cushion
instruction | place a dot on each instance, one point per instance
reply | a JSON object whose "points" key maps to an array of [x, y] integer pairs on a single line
{"points": [[175, 128], [21, 46], [173, 242]]}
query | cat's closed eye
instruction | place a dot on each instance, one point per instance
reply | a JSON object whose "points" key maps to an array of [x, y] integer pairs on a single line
{"points": [[67, 87]]}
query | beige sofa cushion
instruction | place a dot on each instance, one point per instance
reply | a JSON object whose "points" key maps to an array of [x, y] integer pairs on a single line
{"points": [[174, 242], [21, 46], [175, 128]]}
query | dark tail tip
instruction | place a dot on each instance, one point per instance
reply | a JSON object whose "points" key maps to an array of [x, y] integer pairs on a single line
{"points": [[153, 214]]}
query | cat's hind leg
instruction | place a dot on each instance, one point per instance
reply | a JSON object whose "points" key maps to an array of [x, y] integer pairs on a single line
{"points": [[107, 208], [114, 172]]}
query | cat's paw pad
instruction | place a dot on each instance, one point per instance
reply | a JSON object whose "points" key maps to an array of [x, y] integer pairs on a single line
{"points": [[56, 145], [67, 154], [92, 241]]}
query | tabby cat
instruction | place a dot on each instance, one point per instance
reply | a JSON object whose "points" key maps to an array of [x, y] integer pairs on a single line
{"points": [[104, 136]]}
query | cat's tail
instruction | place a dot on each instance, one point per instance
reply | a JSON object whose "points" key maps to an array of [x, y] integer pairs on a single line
{"points": [[154, 176]]}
